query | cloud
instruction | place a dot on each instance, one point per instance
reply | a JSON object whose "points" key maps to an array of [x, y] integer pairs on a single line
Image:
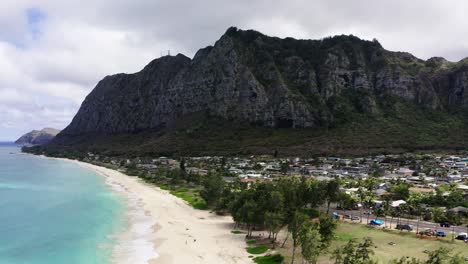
{"points": [[53, 52]]}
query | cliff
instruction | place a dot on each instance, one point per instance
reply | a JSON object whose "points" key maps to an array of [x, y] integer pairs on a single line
{"points": [[38, 137], [267, 82]]}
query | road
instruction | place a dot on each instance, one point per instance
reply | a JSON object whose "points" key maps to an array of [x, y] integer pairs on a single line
{"points": [[422, 224]]}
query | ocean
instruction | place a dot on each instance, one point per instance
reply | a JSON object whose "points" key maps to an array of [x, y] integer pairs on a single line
{"points": [[55, 212]]}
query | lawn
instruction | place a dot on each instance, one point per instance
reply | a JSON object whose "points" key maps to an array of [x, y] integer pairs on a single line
{"points": [[269, 259], [192, 196], [258, 249], [406, 244]]}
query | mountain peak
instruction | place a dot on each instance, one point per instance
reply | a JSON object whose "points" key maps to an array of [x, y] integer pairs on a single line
{"points": [[38, 137], [251, 78]]}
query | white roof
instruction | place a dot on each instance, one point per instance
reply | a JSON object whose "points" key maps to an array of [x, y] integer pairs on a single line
{"points": [[398, 203]]}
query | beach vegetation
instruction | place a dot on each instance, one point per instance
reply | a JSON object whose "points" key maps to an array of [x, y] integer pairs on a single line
{"points": [[191, 197], [250, 241], [258, 249], [269, 259]]}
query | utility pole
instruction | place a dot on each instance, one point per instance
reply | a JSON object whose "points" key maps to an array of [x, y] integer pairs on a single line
{"points": [[453, 233]]}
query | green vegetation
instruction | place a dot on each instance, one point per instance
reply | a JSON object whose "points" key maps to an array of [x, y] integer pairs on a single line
{"points": [[163, 187], [363, 253], [236, 232], [391, 244], [250, 241], [283, 203], [269, 259], [192, 197], [386, 131], [356, 253], [258, 249]]}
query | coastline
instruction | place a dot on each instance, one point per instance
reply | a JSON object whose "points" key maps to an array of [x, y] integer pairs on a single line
{"points": [[164, 229]]}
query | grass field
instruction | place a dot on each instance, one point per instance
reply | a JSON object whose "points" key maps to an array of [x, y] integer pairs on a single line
{"points": [[406, 244]]}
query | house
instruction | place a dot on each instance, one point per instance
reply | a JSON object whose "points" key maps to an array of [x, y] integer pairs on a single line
{"points": [[380, 192], [147, 167], [383, 186], [452, 178], [397, 203], [196, 171], [405, 172], [248, 181], [459, 210], [235, 170], [462, 187], [351, 191], [323, 178]]}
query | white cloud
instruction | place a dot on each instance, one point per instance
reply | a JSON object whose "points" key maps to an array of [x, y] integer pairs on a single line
{"points": [[45, 74]]}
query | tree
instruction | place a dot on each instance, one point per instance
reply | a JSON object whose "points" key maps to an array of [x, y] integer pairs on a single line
{"points": [[438, 215], [332, 190], [327, 229], [355, 253], [438, 256], [346, 201], [284, 167], [213, 186], [273, 223], [182, 165], [400, 191], [295, 227], [311, 243], [247, 215]]}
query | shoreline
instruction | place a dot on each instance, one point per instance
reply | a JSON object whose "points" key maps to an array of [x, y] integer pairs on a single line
{"points": [[164, 229]]}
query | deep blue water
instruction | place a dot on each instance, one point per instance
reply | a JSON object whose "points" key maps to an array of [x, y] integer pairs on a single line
{"points": [[54, 211]]}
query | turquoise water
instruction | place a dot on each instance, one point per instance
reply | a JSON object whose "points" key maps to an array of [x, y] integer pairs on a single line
{"points": [[54, 211]]}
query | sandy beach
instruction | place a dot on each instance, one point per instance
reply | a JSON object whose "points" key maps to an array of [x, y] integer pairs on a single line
{"points": [[165, 229]]}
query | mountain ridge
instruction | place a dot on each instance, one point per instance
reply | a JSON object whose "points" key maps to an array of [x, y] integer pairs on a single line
{"points": [[267, 82]]}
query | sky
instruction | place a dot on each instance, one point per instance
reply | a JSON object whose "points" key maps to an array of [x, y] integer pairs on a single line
{"points": [[53, 52]]}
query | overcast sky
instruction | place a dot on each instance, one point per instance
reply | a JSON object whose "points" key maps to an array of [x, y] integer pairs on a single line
{"points": [[53, 52]]}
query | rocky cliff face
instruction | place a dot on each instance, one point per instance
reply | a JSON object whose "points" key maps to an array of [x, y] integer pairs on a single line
{"points": [[270, 82], [38, 137]]}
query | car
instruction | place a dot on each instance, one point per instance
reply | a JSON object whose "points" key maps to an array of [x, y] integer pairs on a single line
{"points": [[355, 218], [376, 222], [444, 224], [462, 236], [336, 216], [404, 227], [347, 216], [441, 234]]}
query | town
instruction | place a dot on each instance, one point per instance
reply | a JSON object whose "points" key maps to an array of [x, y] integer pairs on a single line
{"points": [[428, 191], [409, 208]]}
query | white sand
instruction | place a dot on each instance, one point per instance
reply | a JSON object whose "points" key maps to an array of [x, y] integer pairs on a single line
{"points": [[177, 232]]}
